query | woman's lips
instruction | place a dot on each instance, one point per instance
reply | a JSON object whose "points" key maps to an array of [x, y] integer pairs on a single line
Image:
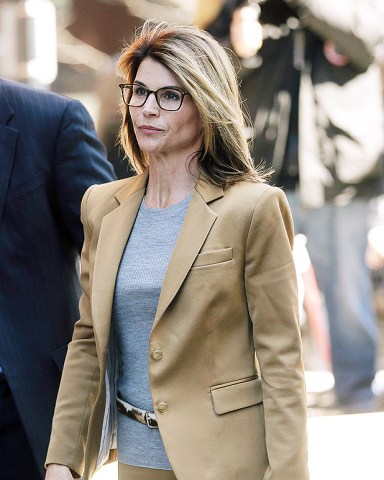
{"points": [[149, 129]]}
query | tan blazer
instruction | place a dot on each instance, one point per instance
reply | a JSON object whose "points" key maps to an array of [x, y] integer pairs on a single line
{"points": [[229, 292]]}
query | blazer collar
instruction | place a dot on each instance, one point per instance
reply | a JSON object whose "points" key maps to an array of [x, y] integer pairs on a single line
{"points": [[115, 230], [207, 191], [196, 227], [135, 184]]}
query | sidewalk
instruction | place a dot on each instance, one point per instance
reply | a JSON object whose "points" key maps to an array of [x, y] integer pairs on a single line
{"points": [[341, 446], [346, 447]]}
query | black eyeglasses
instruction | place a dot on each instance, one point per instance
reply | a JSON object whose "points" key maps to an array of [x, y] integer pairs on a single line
{"points": [[168, 98]]}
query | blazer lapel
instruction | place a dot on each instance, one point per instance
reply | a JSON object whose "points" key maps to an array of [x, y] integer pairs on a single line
{"points": [[198, 222], [115, 230], [8, 142]]}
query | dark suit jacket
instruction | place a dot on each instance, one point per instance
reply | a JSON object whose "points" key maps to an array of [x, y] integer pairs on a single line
{"points": [[49, 155]]}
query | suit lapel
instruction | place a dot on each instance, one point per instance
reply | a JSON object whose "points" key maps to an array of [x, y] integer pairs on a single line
{"points": [[115, 230], [198, 222], [8, 142]]}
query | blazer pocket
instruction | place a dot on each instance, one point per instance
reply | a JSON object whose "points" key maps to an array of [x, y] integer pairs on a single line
{"points": [[233, 396], [212, 257]]}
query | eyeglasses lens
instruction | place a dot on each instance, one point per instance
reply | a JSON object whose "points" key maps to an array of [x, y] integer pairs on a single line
{"points": [[167, 98]]}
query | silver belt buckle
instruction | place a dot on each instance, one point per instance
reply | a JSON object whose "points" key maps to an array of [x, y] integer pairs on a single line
{"points": [[150, 421]]}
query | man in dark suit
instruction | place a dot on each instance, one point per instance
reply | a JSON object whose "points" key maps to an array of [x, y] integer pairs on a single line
{"points": [[49, 155]]}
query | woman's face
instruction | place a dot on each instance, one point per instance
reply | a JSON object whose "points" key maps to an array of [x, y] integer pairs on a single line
{"points": [[160, 132]]}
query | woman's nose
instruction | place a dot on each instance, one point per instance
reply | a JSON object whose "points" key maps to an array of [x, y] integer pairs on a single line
{"points": [[150, 106]]}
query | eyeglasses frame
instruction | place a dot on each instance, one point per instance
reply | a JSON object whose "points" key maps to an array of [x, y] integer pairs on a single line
{"points": [[182, 92]]}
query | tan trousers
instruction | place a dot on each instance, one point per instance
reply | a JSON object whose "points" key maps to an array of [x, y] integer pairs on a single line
{"points": [[127, 472]]}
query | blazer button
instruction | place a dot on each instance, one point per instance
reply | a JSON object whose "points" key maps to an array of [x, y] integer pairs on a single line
{"points": [[157, 354], [162, 406]]}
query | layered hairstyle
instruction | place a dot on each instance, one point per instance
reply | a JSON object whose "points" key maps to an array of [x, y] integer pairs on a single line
{"points": [[205, 71]]}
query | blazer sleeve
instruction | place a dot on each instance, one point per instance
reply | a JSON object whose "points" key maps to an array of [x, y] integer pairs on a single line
{"points": [[80, 162], [271, 289], [81, 377]]}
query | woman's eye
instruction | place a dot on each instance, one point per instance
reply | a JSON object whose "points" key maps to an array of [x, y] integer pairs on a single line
{"points": [[140, 91], [171, 95]]}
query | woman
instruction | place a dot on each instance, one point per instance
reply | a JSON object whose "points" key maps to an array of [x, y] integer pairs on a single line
{"points": [[187, 273]]}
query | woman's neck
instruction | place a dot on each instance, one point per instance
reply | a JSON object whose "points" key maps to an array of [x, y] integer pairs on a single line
{"points": [[169, 183]]}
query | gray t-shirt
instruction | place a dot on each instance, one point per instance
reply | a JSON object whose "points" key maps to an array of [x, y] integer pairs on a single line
{"points": [[138, 284]]}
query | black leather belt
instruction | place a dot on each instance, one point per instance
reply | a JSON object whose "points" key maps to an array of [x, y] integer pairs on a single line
{"points": [[145, 417]]}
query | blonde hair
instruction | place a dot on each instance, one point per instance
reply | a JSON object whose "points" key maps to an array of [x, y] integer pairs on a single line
{"points": [[205, 71]]}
